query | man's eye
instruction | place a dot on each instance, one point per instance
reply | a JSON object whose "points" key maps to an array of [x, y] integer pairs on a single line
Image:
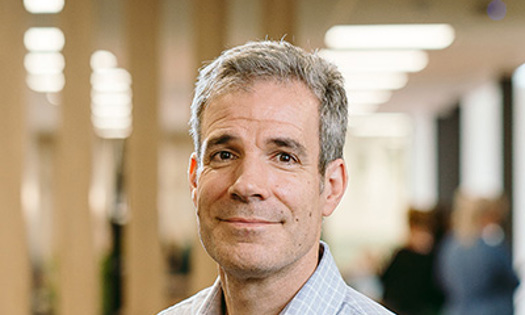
{"points": [[286, 158], [223, 156]]}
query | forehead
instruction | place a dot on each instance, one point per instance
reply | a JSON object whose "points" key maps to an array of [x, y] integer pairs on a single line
{"points": [[264, 101]]}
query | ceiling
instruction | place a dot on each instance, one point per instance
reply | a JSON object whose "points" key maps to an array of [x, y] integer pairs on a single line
{"points": [[483, 49]]}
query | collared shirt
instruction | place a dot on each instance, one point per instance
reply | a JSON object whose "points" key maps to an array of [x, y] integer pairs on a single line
{"points": [[325, 292]]}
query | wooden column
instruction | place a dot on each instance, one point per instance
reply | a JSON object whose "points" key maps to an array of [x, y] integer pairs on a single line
{"points": [[77, 269], [14, 262], [143, 282], [210, 29], [210, 24], [279, 19]]}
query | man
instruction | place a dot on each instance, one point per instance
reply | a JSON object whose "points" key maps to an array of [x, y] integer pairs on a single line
{"points": [[269, 123]]}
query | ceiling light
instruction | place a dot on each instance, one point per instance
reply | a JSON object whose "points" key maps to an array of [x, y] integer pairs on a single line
{"points": [[377, 61], [115, 111], [46, 82], [43, 6], [44, 39], [103, 59], [368, 97], [112, 79], [112, 98], [390, 36], [375, 81], [381, 125], [362, 109], [108, 127], [44, 63]]}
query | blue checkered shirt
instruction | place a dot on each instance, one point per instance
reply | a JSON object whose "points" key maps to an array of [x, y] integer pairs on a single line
{"points": [[324, 293]]}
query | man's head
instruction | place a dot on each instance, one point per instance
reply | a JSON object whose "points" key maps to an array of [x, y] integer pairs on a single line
{"points": [[255, 176], [240, 67]]}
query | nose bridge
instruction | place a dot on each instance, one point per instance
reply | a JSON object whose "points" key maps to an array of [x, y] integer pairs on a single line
{"points": [[251, 178]]}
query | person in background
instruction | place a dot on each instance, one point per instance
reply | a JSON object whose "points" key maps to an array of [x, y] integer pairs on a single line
{"points": [[269, 123], [409, 286], [475, 265]]}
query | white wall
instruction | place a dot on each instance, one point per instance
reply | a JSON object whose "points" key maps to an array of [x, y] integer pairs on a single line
{"points": [[481, 155], [423, 166]]}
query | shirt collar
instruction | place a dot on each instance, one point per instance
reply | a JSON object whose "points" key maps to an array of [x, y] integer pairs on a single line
{"points": [[213, 303], [310, 296], [324, 290]]}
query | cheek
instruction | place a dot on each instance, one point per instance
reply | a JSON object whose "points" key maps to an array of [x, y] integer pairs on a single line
{"points": [[208, 190], [300, 195]]}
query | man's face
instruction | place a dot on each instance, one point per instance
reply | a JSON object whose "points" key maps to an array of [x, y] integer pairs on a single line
{"points": [[257, 187]]}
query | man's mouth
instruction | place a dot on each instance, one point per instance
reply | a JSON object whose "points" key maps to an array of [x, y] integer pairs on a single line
{"points": [[242, 222]]}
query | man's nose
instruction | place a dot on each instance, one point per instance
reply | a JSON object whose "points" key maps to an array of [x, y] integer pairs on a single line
{"points": [[250, 180]]}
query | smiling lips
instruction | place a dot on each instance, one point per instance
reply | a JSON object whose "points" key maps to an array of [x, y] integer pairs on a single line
{"points": [[249, 222]]}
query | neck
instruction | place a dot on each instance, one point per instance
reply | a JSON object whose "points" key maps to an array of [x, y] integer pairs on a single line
{"points": [[267, 294]]}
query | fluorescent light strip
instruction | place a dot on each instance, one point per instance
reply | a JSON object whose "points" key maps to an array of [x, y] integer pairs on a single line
{"points": [[44, 63], [122, 123], [390, 36], [368, 97], [43, 6], [44, 39], [102, 60], [46, 82], [375, 81], [377, 61], [362, 109], [111, 96], [112, 79]]}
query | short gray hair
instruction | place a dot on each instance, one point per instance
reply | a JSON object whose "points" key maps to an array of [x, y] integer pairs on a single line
{"points": [[241, 66]]}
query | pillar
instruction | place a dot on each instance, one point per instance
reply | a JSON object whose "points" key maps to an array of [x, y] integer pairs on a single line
{"points": [[210, 24], [14, 260], [77, 267], [210, 29], [424, 161], [143, 282], [481, 142], [245, 21], [518, 205]]}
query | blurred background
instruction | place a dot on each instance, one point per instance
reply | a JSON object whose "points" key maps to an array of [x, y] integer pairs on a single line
{"points": [[95, 212]]}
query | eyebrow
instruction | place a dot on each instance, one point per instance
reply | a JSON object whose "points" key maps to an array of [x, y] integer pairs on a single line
{"points": [[288, 143], [281, 142], [218, 140]]}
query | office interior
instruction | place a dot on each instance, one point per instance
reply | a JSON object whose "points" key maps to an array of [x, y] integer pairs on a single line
{"points": [[95, 210]]}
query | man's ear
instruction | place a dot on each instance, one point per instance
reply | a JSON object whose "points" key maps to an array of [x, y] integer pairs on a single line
{"points": [[193, 169], [335, 182]]}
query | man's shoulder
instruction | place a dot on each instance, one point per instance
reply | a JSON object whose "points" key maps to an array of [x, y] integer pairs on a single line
{"points": [[188, 306]]}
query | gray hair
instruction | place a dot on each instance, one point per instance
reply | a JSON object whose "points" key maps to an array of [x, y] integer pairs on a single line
{"points": [[239, 67]]}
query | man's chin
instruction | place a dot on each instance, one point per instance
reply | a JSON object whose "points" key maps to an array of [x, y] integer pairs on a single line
{"points": [[247, 270], [245, 259]]}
